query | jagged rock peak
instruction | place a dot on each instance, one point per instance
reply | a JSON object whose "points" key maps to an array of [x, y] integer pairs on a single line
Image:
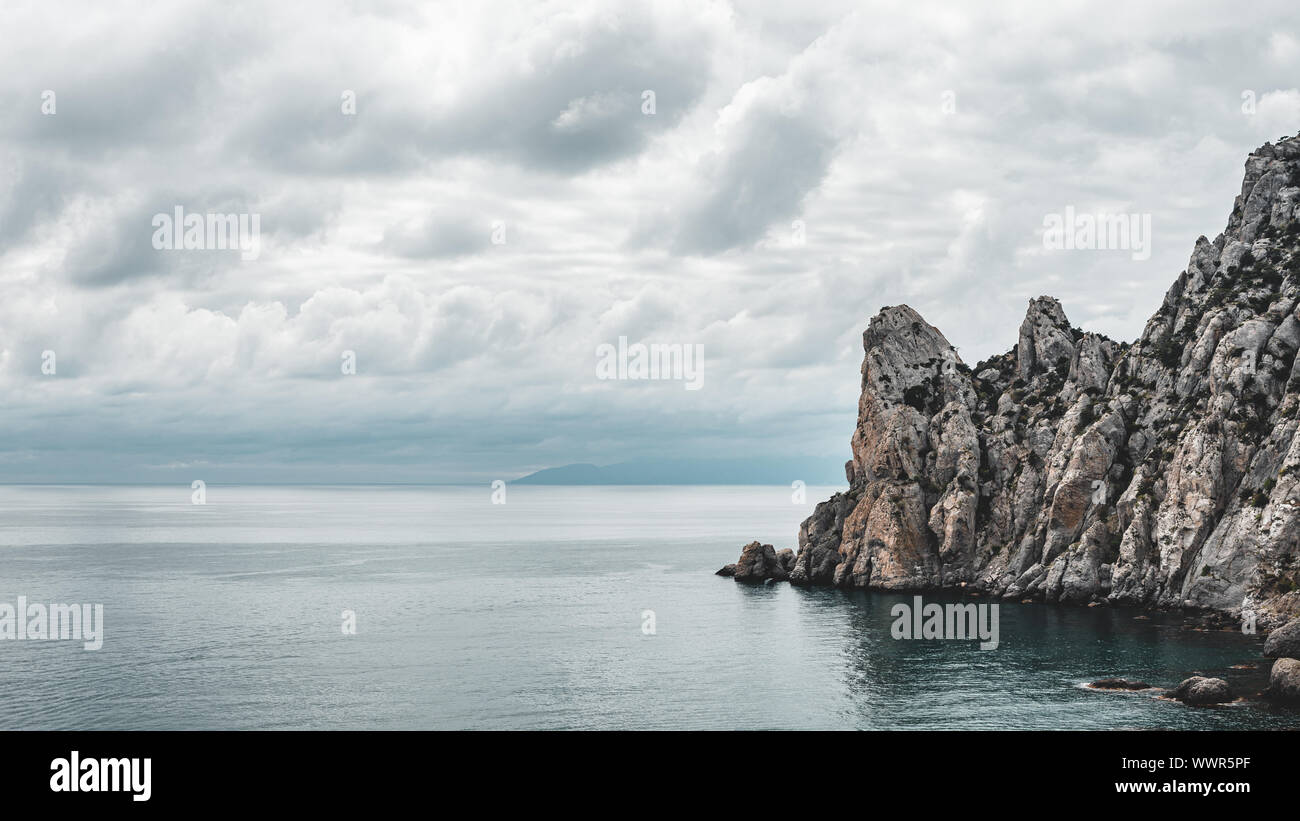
{"points": [[1046, 337], [903, 352], [902, 329], [898, 317]]}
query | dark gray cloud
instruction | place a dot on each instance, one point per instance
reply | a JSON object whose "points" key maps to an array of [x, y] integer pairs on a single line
{"points": [[585, 103], [566, 97], [757, 183], [33, 194]]}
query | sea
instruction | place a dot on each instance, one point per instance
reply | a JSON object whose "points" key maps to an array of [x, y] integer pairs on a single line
{"points": [[531, 607]]}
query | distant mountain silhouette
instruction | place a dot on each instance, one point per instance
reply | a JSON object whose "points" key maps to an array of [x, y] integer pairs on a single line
{"points": [[692, 472]]}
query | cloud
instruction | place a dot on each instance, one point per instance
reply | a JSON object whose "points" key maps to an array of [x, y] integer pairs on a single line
{"points": [[567, 92], [517, 83], [773, 146], [1277, 113], [31, 194], [444, 234], [919, 145]]}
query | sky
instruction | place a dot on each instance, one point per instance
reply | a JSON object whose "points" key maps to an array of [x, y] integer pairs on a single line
{"points": [[458, 204]]}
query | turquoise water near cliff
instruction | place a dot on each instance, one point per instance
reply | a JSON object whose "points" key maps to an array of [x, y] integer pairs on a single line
{"points": [[528, 614]]}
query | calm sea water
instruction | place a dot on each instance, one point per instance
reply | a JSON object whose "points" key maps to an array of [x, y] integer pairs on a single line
{"points": [[526, 615]]}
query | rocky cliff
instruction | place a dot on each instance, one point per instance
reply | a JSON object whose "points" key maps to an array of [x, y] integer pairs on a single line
{"points": [[1074, 468]]}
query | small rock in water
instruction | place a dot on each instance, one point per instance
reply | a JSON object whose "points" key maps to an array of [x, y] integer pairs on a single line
{"points": [[1199, 691], [1284, 642], [1119, 684], [1284, 681], [760, 562]]}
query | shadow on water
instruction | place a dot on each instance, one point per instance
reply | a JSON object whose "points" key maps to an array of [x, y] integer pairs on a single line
{"points": [[1034, 678]]}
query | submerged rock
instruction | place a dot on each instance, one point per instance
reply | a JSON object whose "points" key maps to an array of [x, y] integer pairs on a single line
{"points": [[1119, 684], [1198, 691], [1284, 681]]}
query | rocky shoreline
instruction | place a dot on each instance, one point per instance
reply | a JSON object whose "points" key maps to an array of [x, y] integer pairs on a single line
{"points": [[1283, 644], [1162, 474], [763, 564]]}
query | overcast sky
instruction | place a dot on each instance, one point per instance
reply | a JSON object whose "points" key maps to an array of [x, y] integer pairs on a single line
{"points": [[805, 163]]}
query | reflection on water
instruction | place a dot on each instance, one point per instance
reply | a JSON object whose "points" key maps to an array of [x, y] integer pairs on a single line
{"points": [[528, 615], [1034, 679]]}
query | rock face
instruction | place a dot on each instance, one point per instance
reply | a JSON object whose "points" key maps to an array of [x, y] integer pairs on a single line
{"points": [[1163, 473], [1284, 681], [1198, 691]]}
